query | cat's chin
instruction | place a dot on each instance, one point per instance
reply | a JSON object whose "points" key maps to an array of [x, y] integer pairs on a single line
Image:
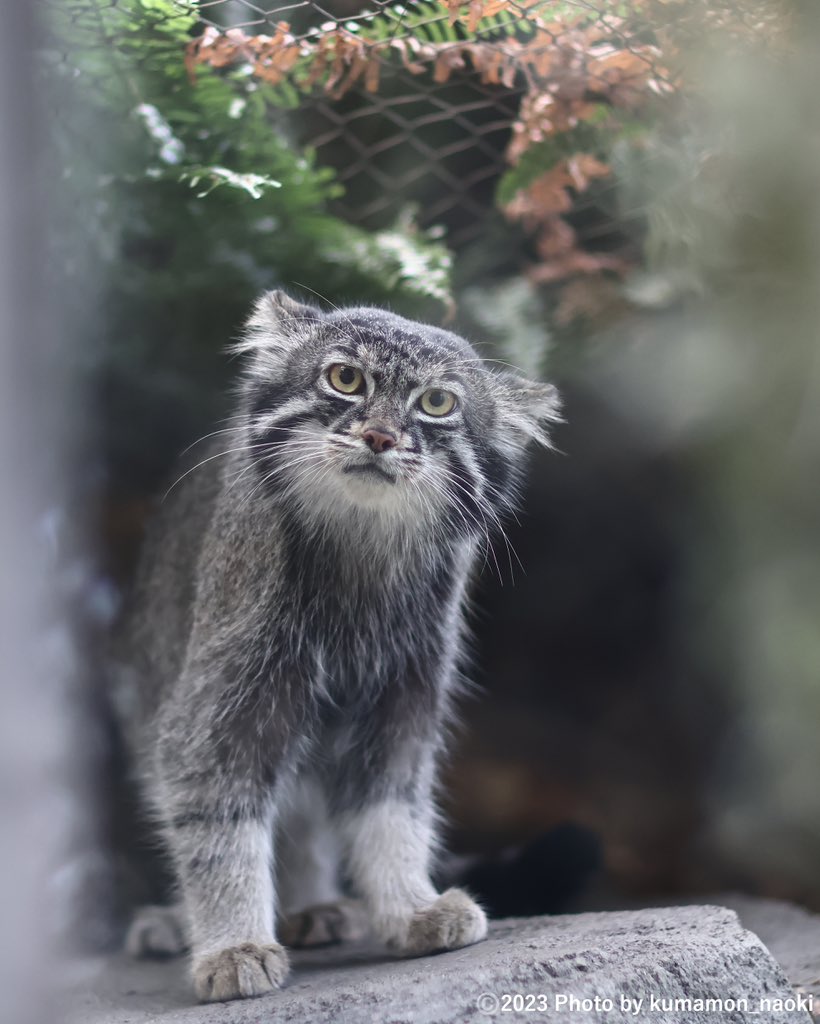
{"points": [[370, 484], [370, 489], [344, 493]]}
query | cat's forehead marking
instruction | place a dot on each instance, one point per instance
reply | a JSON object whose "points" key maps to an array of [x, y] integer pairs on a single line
{"points": [[389, 343]]}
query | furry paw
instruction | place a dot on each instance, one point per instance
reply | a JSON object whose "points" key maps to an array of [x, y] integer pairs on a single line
{"points": [[325, 924], [240, 972], [156, 931], [454, 920]]}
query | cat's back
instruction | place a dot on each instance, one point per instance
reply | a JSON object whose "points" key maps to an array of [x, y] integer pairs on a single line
{"points": [[153, 630]]}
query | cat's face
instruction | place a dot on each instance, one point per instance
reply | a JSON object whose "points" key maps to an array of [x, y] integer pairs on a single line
{"points": [[362, 409]]}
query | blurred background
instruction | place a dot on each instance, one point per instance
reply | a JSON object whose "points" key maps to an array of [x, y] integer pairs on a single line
{"points": [[619, 197]]}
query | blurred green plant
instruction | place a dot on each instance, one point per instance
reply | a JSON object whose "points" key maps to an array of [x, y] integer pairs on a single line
{"points": [[123, 65]]}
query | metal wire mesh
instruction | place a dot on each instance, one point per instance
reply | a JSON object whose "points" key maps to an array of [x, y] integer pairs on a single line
{"points": [[428, 102], [436, 131]]}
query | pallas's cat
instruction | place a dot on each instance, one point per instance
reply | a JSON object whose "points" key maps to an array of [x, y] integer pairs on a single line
{"points": [[295, 634]]}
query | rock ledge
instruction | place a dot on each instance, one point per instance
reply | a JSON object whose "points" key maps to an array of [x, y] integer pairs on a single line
{"points": [[589, 968]]}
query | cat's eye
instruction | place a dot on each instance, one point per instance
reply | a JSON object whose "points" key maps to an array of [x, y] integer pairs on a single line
{"points": [[437, 402], [346, 379]]}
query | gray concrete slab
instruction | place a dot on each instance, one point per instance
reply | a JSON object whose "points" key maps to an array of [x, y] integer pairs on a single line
{"points": [[589, 968]]}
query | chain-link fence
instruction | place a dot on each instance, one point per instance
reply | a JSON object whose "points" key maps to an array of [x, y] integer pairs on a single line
{"points": [[428, 103], [425, 105]]}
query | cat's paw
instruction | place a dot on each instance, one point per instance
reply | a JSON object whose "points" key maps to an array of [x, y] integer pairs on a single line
{"points": [[156, 931], [240, 972], [454, 920], [325, 924]]}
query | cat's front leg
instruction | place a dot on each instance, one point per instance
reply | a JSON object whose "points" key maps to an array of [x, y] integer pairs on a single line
{"points": [[389, 840], [223, 859], [219, 826]]}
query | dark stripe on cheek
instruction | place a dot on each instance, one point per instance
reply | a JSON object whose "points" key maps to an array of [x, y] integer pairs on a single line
{"points": [[269, 397], [284, 429], [282, 433], [445, 424], [334, 403], [497, 470], [464, 489]]}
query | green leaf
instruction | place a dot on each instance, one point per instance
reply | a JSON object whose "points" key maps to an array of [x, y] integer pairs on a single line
{"points": [[255, 185]]}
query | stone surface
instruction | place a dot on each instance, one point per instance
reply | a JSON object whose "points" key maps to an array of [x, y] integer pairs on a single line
{"points": [[792, 936], [682, 953]]}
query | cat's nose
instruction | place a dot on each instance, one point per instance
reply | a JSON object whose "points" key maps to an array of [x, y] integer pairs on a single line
{"points": [[379, 439]]}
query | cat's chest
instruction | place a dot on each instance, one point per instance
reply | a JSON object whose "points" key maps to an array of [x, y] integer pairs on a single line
{"points": [[357, 630], [346, 617], [345, 633]]}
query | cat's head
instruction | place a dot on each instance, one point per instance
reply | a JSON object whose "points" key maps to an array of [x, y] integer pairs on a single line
{"points": [[359, 409]]}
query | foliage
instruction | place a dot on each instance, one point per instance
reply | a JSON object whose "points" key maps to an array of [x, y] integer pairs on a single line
{"points": [[576, 64], [593, 75], [216, 134], [570, 57]]}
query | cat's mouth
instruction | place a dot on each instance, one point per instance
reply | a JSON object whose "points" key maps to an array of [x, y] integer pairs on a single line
{"points": [[371, 470]]}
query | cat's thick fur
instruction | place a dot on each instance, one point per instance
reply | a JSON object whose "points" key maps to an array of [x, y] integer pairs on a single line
{"points": [[296, 630]]}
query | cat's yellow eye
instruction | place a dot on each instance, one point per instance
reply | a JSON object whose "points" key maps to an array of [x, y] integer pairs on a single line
{"points": [[346, 379], [437, 402]]}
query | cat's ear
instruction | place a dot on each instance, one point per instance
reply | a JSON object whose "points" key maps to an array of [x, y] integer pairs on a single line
{"points": [[276, 322], [529, 407], [277, 307]]}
